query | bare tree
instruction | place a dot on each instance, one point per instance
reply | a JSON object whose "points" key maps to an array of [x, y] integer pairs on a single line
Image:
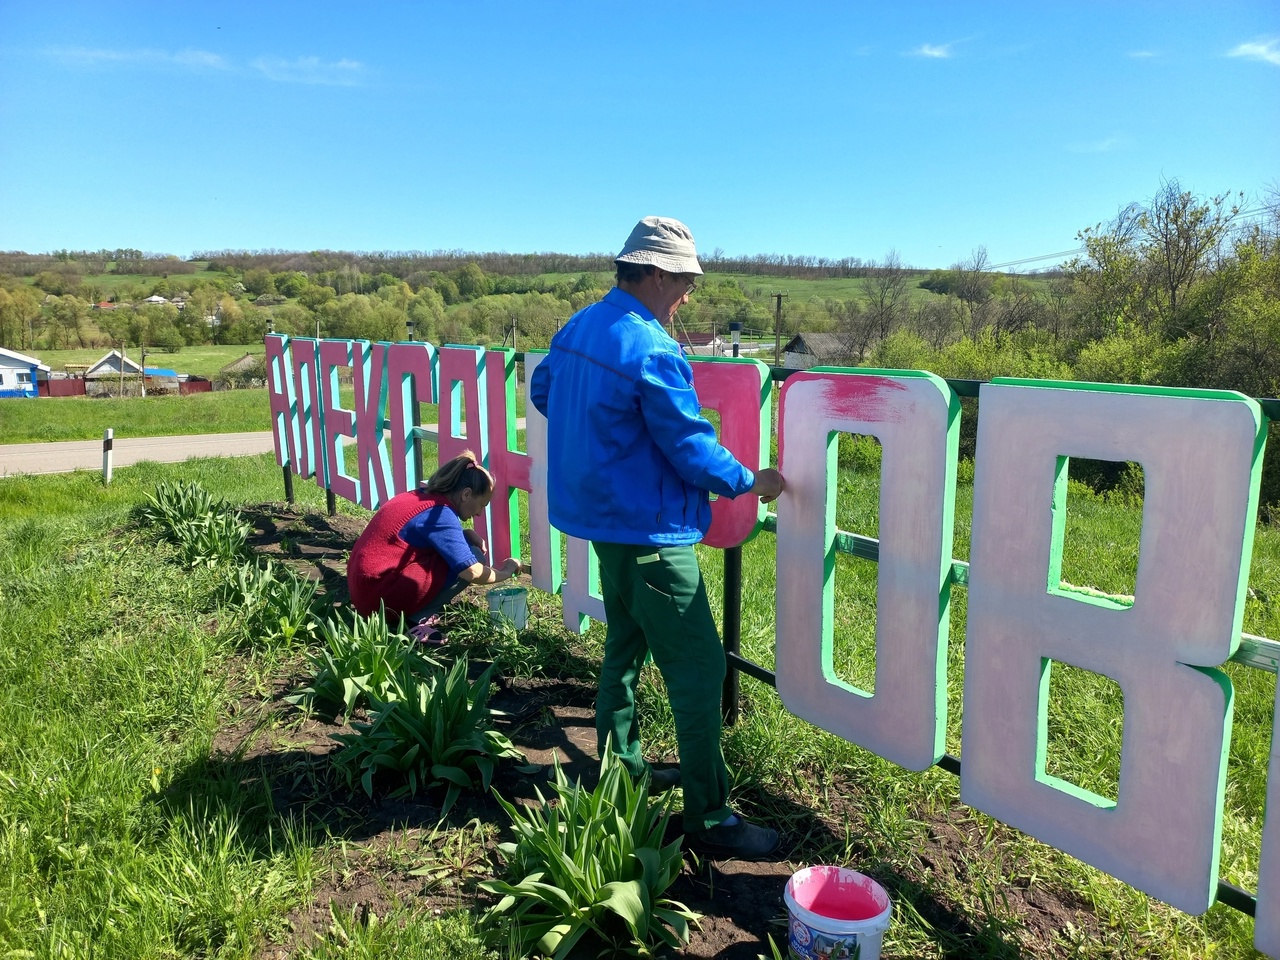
{"points": [[936, 320], [886, 288], [855, 327], [1182, 239]]}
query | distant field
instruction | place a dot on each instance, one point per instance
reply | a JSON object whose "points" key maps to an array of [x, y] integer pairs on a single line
{"points": [[85, 418], [202, 361], [110, 282], [843, 288]]}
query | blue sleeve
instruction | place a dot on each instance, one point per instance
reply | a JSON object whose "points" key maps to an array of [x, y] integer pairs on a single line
{"points": [[540, 384], [686, 438], [439, 529]]}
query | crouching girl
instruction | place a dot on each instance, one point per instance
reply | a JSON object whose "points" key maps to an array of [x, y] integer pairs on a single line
{"points": [[415, 555]]}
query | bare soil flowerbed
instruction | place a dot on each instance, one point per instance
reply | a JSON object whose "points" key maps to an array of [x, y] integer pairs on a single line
{"points": [[383, 853]]}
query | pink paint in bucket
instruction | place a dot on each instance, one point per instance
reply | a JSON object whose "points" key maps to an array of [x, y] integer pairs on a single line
{"points": [[835, 914]]}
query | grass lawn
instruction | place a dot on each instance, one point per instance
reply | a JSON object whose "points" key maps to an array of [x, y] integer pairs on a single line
{"points": [[120, 832], [85, 418]]}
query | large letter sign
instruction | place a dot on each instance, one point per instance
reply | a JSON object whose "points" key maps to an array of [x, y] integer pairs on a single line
{"points": [[1266, 934], [580, 590], [338, 421], [1200, 453], [916, 417], [741, 391]]}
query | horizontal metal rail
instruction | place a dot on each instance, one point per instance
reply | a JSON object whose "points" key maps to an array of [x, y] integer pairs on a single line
{"points": [[1254, 651]]}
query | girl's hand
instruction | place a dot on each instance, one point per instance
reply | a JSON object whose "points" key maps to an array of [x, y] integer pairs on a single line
{"points": [[511, 567], [475, 540]]}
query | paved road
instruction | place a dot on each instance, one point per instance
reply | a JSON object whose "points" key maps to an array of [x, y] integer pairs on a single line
{"points": [[64, 457], [67, 456]]}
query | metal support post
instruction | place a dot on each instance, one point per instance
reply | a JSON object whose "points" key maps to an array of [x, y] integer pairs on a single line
{"points": [[732, 632]]}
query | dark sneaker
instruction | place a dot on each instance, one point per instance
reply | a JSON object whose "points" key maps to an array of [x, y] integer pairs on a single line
{"points": [[740, 841], [660, 781]]}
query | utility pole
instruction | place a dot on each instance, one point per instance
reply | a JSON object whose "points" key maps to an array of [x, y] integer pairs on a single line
{"points": [[777, 329]]}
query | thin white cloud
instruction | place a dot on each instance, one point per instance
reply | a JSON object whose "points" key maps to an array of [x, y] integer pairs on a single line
{"points": [[92, 57], [1105, 145], [339, 73], [1268, 51], [935, 51], [1141, 54]]}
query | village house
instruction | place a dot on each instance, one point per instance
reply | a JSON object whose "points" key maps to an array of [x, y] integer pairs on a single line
{"points": [[19, 374], [806, 350]]}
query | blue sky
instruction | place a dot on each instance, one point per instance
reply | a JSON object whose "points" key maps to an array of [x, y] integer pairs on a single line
{"points": [[841, 129]]}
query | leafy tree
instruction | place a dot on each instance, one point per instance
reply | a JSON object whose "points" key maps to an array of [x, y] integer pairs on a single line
{"points": [[230, 316], [258, 281], [156, 326], [57, 283], [445, 286], [397, 293], [313, 296], [295, 320], [67, 316], [471, 281], [291, 283], [19, 314], [426, 310]]}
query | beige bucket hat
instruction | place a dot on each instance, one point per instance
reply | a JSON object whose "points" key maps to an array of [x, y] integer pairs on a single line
{"points": [[663, 242]]}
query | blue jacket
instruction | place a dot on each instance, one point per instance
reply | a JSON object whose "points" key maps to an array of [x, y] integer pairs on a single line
{"points": [[630, 458]]}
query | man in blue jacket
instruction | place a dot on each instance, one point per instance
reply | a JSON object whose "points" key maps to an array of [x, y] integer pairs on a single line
{"points": [[630, 461]]}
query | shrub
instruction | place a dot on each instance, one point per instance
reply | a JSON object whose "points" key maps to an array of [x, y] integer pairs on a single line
{"points": [[432, 731], [358, 664], [592, 862], [207, 532], [278, 606]]}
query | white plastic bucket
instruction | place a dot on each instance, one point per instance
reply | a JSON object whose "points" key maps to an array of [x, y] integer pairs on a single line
{"points": [[835, 914], [510, 604]]}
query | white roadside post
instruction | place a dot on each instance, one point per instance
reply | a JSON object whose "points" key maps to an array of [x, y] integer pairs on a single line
{"points": [[107, 437]]}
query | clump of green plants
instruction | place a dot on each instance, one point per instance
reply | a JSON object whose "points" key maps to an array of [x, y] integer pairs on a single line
{"points": [[429, 731], [591, 861], [207, 532], [358, 664], [278, 607]]}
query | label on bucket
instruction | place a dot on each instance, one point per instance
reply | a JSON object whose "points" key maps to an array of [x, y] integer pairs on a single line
{"points": [[835, 914], [809, 944]]}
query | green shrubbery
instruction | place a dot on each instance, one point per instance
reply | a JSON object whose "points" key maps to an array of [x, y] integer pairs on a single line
{"points": [[357, 663], [589, 861], [433, 728]]}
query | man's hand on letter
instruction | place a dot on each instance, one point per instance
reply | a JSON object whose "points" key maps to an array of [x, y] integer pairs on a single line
{"points": [[769, 483]]}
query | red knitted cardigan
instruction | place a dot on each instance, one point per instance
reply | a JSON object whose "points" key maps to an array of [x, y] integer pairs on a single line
{"points": [[384, 569]]}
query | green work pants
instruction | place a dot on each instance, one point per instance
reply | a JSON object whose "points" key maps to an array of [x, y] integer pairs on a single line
{"points": [[656, 603]]}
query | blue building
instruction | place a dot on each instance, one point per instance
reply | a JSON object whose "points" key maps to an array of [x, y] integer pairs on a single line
{"points": [[19, 373]]}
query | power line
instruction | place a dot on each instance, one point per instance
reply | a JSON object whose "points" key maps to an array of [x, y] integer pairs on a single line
{"points": [[1079, 250]]}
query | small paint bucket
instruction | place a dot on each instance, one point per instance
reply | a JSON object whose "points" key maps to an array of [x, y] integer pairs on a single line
{"points": [[510, 604], [835, 914]]}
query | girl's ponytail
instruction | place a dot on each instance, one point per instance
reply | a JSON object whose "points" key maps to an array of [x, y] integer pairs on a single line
{"points": [[462, 472]]}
